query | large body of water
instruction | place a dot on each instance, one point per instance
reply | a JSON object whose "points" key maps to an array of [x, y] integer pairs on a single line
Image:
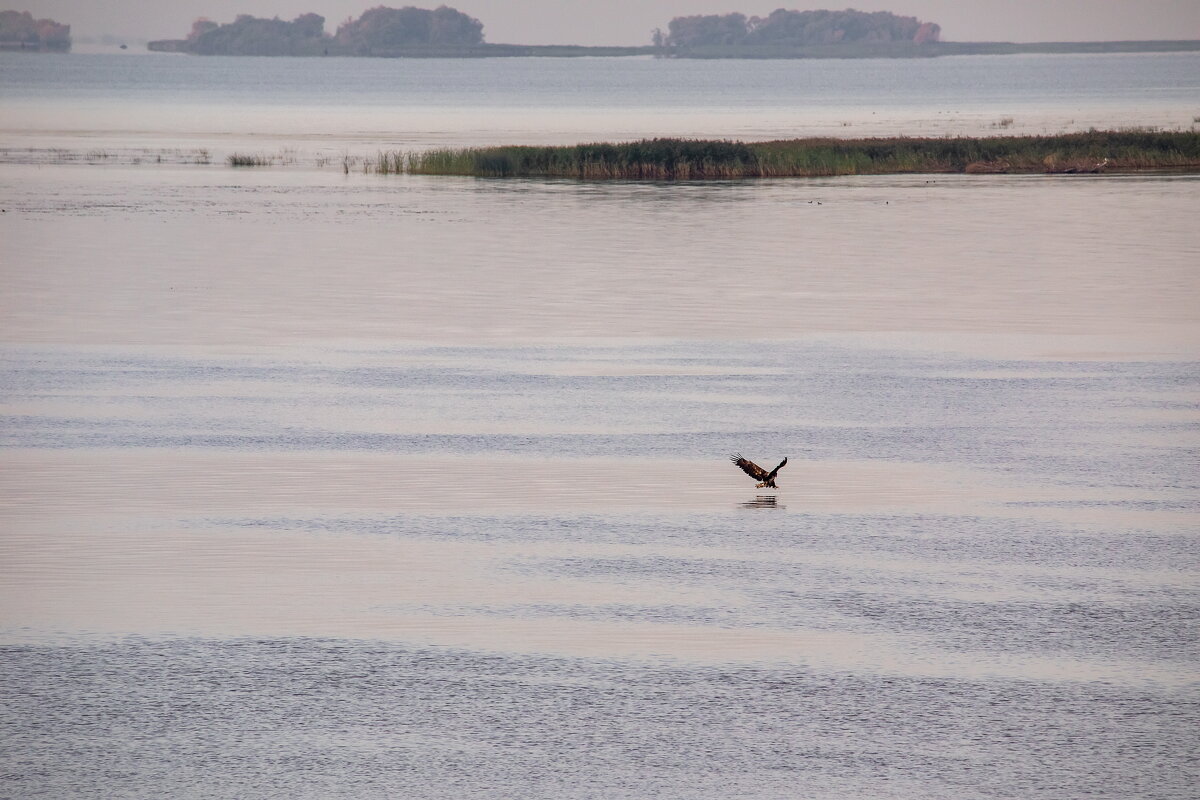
{"points": [[335, 105], [324, 484]]}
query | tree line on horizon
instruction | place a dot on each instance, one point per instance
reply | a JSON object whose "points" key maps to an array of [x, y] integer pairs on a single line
{"points": [[383, 30], [795, 29], [378, 29], [20, 31]]}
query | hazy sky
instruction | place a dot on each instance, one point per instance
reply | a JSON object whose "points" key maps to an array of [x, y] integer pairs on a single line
{"points": [[625, 22]]}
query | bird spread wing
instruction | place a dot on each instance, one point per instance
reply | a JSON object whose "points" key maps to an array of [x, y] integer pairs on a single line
{"points": [[776, 470], [749, 467]]}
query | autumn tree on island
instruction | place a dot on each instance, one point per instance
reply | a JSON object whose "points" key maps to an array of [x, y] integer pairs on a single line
{"points": [[382, 29], [248, 35], [798, 28], [379, 31], [20, 31]]}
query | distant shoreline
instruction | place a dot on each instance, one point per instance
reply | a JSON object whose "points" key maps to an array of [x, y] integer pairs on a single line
{"points": [[936, 49], [849, 50]]}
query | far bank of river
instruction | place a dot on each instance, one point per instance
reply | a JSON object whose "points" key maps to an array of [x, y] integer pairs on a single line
{"points": [[851, 50]]}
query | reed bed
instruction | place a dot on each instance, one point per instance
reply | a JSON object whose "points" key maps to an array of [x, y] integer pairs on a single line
{"points": [[248, 160], [689, 159], [389, 162]]}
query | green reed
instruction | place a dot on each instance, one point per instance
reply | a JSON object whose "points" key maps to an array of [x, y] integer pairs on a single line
{"points": [[388, 162], [692, 159], [248, 160]]}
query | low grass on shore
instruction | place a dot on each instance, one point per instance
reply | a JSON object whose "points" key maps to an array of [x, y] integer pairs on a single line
{"points": [[689, 159]]}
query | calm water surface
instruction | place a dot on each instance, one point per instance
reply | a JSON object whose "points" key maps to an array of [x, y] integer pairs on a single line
{"points": [[343, 485], [334, 106]]}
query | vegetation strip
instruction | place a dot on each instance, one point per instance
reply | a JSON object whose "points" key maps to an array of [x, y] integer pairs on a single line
{"points": [[692, 159]]}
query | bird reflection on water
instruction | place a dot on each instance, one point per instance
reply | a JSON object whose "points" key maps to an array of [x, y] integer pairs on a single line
{"points": [[763, 501]]}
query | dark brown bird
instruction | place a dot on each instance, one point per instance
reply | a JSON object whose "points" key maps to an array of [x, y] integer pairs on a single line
{"points": [[758, 473]]}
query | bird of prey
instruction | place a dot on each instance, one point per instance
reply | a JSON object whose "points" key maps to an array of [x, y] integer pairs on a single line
{"points": [[758, 473]]}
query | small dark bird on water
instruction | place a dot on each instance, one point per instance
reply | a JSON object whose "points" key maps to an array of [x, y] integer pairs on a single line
{"points": [[758, 473]]}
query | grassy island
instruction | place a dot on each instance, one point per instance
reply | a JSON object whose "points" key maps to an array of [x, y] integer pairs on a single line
{"points": [[690, 159]]}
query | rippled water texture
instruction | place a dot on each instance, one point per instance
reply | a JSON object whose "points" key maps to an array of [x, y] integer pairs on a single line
{"points": [[344, 485], [188, 255]]}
